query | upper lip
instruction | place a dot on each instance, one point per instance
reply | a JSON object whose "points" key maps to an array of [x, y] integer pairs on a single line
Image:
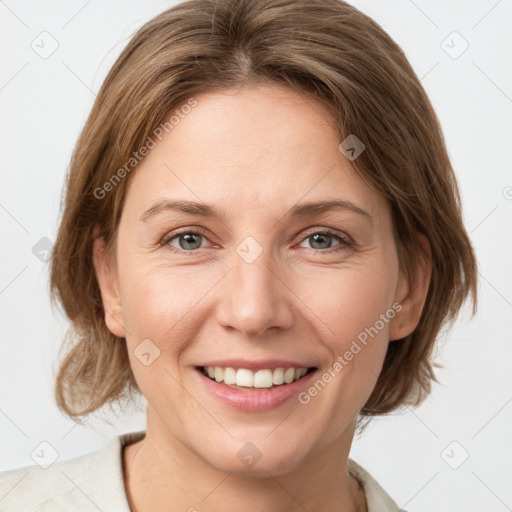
{"points": [[263, 364]]}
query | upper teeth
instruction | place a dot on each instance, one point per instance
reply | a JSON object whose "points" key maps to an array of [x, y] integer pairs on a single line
{"points": [[259, 379]]}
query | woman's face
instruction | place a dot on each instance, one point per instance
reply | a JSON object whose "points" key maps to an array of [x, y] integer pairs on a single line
{"points": [[254, 288]]}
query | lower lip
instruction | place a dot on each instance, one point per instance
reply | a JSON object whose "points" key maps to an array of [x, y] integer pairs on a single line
{"points": [[253, 399]]}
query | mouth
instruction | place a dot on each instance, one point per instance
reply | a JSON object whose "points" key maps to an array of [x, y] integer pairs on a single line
{"points": [[262, 380]]}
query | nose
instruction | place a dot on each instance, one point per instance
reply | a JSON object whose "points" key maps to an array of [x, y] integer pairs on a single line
{"points": [[254, 299]]}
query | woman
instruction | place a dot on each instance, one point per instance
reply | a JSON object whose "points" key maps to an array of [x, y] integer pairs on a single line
{"points": [[261, 235]]}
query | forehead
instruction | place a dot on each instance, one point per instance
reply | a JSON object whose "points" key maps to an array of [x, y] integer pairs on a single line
{"points": [[249, 148]]}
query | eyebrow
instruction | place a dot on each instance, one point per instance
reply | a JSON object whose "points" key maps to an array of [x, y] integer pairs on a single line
{"points": [[206, 210]]}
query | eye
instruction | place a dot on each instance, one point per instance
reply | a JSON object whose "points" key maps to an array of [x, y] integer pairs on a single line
{"points": [[322, 240], [190, 241], [187, 240]]}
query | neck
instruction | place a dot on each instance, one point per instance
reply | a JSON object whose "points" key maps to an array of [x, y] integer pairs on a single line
{"points": [[161, 470]]}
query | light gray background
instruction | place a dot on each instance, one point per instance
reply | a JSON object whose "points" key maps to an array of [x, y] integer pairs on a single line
{"points": [[44, 103]]}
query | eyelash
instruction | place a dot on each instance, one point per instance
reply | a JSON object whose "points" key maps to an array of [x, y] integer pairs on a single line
{"points": [[345, 242]]}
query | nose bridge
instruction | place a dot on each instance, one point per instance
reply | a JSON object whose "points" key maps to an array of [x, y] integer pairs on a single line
{"points": [[256, 299]]}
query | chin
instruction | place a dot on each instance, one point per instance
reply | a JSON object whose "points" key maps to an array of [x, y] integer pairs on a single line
{"points": [[257, 462]]}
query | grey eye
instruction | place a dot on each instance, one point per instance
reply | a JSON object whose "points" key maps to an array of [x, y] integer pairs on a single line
{"points": [[188, 241], [322, 240]]}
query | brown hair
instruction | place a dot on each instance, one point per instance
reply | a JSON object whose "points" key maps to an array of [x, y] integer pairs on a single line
{"points": [[325, 48]]}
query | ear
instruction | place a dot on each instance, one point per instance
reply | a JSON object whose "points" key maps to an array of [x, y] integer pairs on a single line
{"points": [[412, 293], [106, 276]]}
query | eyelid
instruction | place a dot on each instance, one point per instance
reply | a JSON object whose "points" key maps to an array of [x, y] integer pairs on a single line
{"points": [[328, 231]]}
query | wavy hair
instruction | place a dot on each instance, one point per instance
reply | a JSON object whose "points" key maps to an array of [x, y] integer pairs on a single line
{"points": [[325, 48]]}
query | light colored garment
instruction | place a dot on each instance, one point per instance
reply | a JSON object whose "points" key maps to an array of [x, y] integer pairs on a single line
{"points": [[94, 482]]}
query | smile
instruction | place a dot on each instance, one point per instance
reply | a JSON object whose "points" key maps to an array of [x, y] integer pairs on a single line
{"points": [[239, 378]]}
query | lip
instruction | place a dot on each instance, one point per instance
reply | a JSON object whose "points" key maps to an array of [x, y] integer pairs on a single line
{"points": [[254, 400], [264, 364]]}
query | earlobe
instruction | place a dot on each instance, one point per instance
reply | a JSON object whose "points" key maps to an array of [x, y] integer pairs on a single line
{"points": [[412, 293], [107, 282]]}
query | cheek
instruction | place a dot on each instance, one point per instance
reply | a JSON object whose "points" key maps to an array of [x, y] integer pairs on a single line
{"points": [[354, 319], [350, 300], [160, 303]]}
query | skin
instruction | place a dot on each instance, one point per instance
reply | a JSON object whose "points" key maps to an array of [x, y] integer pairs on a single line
{"points": [[254, 153]]}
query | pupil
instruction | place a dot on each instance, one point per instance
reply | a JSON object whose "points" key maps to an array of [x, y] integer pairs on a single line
{"points": [[188, 237], [316, 238]]}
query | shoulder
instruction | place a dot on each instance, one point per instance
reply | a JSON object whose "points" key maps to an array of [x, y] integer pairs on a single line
{"points": [[377, 499], [65, 483], [87, 483]]}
